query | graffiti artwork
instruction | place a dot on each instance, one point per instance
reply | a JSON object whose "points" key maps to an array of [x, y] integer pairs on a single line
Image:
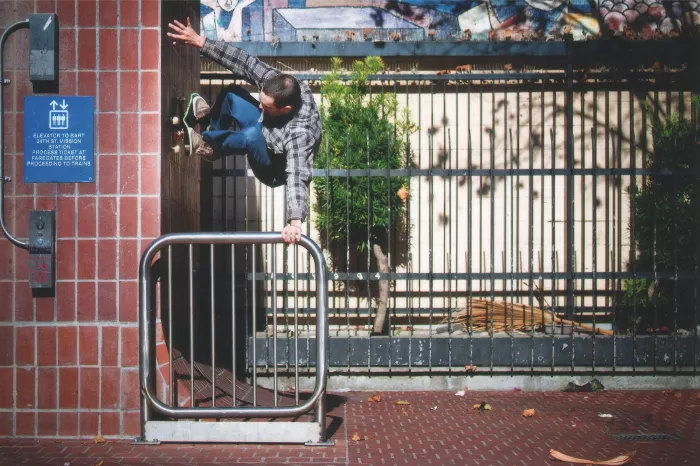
{"points": [[420, 20]]}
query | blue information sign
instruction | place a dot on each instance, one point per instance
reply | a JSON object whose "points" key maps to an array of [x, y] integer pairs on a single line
{"points": [[59, 135]]}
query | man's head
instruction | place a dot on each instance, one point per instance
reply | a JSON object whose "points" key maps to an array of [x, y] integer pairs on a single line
{"points": [[280, 96]]}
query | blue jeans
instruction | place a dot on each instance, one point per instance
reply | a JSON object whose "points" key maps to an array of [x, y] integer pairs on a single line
{"points": [[235, 105]]}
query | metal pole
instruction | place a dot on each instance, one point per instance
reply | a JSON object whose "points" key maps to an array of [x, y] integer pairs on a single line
{"points": [[570, 264], [15, 27]]}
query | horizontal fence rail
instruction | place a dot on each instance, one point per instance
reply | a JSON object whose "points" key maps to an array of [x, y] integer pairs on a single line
{"points": [[519, 246], [195, 282]]}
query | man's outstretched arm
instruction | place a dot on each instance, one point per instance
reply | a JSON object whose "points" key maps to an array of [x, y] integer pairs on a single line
{"points": [[225, 54]]}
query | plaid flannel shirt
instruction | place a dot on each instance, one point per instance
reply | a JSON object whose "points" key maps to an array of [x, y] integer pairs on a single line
{"points": [[299, 138]]}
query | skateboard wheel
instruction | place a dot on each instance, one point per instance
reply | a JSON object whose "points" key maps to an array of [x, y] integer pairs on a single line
{"points": [[175, 121]]}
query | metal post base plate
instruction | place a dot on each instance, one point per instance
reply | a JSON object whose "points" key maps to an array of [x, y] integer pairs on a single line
{"points": [[233, 432], [327, 443], [142, 441]]}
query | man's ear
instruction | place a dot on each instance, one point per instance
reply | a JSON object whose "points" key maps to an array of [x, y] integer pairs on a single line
{"points": [[287, 109]]}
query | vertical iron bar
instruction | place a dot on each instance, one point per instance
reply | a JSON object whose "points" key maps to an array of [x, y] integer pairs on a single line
{"points": [[633, 255], [431, 223], [619, 187], [213, 327], [296, 324], [470, 166], [347, 244], [233, 324], [255, 327], [191, 263], [492, 218], [531, 229], [570, 201], [369, 247], [171, 390], [594, 205], [409, 282], [274, 320]]}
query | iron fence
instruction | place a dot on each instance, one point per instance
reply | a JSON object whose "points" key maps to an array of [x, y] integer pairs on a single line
{"points": [[520, 248]]}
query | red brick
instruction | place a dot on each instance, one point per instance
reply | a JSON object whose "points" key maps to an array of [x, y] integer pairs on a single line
{"points": [[6, 387], [45, 309], [65, 259], [65, 11], [87, 83], [24, 353], [26, 381], [6, 260], [89, 345], [128, 301], [19, 124], [128, 50], [87, 13], [65, 223], [110, 423], [150, 217], [108, 13], [67, 346], [129, 136], [22, 207], [87, 217], [89, 424], [6, 421], [7, 344], [23, 88], [7, 294], [129, 174], [87, 188], [45, 203], [9, 143], [66, 188], [110, 346], [150, 49], [86, 258], [89, 387], [128, 13], [129, 99], [132, 423], [22, 273], [128, 259], [24, 303], [108, 91], [130, 346], [130, 389], [106, 301], [108, 49], [47, 190], [20, 187], [107, 142], [46, 346], [87, 58], [107, 262], [150, 91], [65, 301], [149, 13], [25, 423], [150, 174], [68, 387], [129, 217], [87, 307], [111, 387], [48, 382], [68, 424], [48, 424], [67, 84], [66, 59], [150, 134], [107, 210], [108, 174]]}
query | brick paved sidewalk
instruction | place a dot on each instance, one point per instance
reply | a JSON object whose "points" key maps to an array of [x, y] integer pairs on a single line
{"points": [[436, 428]]}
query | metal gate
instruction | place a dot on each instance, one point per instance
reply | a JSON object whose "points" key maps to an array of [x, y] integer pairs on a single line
{"points": [[167, 420]]}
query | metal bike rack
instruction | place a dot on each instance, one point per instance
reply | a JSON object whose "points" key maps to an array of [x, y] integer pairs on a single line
{"points": [[182, 424]]}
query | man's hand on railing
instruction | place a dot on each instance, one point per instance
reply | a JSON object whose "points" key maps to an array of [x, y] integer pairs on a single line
{"points": [[292, 232]]}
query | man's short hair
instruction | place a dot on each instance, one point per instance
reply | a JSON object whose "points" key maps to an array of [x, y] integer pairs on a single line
{"points": [[284, 89]]}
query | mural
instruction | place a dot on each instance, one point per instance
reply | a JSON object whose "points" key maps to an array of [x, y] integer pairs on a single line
{"points": [[445, 20]]}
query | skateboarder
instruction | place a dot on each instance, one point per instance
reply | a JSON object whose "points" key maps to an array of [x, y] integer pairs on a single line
{"points": [[280, 134]]}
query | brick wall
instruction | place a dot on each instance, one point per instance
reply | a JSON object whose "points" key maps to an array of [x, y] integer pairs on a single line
{"points": [[68, 365]]}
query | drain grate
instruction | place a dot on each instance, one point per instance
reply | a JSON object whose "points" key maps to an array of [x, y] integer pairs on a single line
{"points": [[646, 437]]}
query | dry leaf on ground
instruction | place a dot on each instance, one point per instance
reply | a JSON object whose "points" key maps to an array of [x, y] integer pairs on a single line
{"points": [[99, 463], [678, 395], [617, 461], [402, 402], [356, 438], [99, 439], [697, 396], [374, 399], [529, 412], [470, 368], [483, 406]]}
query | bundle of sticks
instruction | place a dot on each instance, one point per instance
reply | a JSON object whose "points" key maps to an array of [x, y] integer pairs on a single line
{"points": [[496, 316]]}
